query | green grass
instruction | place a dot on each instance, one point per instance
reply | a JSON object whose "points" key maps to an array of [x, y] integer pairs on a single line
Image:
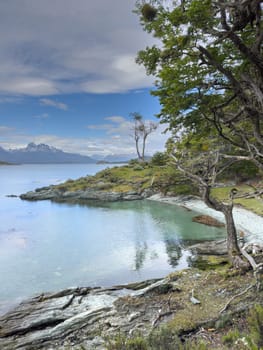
{"points": [[164, 179], [131, 178], [253, 204]]}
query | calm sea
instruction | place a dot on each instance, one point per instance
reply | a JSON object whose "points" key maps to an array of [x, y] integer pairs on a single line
{"points": [[47, 246]]}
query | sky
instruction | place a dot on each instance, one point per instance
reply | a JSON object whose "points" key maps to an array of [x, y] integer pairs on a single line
{"points": [[68, 76]]}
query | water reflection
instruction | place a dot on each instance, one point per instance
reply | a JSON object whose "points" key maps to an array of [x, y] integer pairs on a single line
{"points": [[174, 251], [141, 249], [45, 246]]}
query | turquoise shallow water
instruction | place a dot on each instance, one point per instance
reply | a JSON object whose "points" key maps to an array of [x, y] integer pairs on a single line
{"points": [[46, 246]]}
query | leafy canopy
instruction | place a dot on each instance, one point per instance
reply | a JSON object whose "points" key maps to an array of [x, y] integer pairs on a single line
{"points": [[208, 68]]}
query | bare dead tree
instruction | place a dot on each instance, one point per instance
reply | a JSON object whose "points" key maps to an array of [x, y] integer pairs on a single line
{"points": [[141, 130], [204, 170]]}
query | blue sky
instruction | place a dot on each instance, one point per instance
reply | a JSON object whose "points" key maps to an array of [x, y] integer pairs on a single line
{"points": [[68, 75]]}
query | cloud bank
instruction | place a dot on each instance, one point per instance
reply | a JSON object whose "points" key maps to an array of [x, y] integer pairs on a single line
{"points": [[118, 140], [64, 46]]}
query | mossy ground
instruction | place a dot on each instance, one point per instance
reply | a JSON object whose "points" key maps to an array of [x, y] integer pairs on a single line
{"points": [[195, 326], [164, 179], [132, 178]]}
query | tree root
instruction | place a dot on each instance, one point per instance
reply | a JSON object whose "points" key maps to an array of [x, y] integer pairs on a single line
{"points": [[236, 296], [257, 268]]}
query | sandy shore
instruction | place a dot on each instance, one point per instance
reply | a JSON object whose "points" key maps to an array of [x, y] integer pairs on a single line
{"points": [[250, 223]]}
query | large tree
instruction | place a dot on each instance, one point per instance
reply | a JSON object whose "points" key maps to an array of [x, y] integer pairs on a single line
{"points": [[209, 69]]}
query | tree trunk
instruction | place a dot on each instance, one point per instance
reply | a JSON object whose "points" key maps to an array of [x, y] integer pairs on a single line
{"points": [[234, 253], [232, 245], [143, 146], [137, 147]]}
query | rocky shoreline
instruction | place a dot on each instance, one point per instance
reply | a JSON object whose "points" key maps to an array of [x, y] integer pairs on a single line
{"points": [[54, 194], [246, 221], [86, 317]]}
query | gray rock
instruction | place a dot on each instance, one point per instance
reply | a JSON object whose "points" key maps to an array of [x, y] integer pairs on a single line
{"points": [[52, 193], [77, 316], [210, 248]]}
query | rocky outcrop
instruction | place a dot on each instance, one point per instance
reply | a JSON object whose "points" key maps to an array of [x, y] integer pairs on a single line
{"points": [[210, 248], [207, 220], [53, 193], [84, 318], [79, 315]]}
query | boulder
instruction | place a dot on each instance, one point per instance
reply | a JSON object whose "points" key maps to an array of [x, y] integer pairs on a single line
{"points": [[210, 248]]}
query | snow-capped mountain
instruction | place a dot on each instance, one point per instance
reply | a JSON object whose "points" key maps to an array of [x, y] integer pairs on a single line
{"points": [[41, 153], [32, 147]]}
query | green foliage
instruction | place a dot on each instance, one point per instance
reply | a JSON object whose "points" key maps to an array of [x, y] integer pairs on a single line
{"points": [[207, 79], [231, 337], [160, 159], [253, 338], [121, 342], [255, 322], [164, 338], [133, 162], [242, 171], [148, 12], [138, 168]]}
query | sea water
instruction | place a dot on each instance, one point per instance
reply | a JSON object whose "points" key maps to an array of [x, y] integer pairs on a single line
{"points": [[47, 246]]}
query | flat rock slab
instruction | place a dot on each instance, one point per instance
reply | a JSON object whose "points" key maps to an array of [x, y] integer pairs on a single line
{"points": [[82, 318], [210, 248], [59, 318]]}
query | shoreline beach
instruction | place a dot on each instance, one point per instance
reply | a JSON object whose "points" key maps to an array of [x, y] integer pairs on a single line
{"points": [[248, 222]]}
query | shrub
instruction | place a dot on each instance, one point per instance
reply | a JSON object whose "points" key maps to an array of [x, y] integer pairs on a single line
{"points": [[159, 159], [255, 323], [164, 338], [138, 168], [134, 162], [231, 337], [121, 342]]}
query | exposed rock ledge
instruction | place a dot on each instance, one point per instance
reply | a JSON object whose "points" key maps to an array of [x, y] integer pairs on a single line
{"points": [[77, 315], [84, 317], [52, 193]]}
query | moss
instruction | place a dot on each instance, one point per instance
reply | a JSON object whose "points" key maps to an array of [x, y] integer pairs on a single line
{"points": [[231, 337], [122, 188], [255, 323], [210, 262], [127, 178], [121, 342]]}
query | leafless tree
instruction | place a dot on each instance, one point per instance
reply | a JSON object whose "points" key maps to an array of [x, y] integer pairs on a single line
{"points": [[203, 170], [141, 130]]}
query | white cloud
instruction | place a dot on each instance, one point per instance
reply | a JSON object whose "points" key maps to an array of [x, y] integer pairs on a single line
{"points": [[67, 46], [28, 86], [52, 103], [10, 99], [41, 116], [98, 126], [116, 119], [119, 140]]}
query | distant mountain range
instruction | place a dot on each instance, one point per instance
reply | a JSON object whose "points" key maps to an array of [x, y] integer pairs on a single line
{"points": [[41, 154], [115, 158]]}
